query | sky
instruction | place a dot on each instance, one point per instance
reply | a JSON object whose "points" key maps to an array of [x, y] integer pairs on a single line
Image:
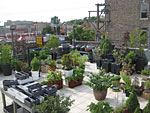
{"points": [[43, 10]]}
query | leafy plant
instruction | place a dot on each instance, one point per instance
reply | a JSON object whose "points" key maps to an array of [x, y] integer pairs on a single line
{"points": [[115, 81], [43, 55], [16, 64], [77, 74], [75, 57], [35, 64], [147, 86], [5, 57], [130, 56], [127, 81], [67, 61], [82, 61], [119, 109], [44, 83], [105, 46], [100, 81], [118, 55], [59, 62], [100, 107], [52, 76], [137, 110], [50, 62], [132, 102], [147, 107], [55, 104], [145, 72]]}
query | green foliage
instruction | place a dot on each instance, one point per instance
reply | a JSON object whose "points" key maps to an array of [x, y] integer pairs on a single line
{"points": [[145, 72], [5, 57], [119, 109], [130, 56], [137, 110], [35, 64], [132, 102], [127, 81], [55, 20], [147, 107], [67, 61], [52, 44], [16, 64], [50, 62], [105, 46], [116, 78], [118, 55], [147, 85], [100, 81], [75, 57], [115, 81], [100, 107], [59, 62], [138, 40], [55, 104], [82, 34], [44, 83], [77, 74], [43, 55], [34, 53]]}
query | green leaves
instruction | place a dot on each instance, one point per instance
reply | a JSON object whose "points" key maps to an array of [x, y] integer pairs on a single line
{"points": [[100, 81], [35, 64], [100, 107]]}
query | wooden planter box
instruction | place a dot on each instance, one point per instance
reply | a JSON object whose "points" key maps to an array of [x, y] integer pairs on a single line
{"points": [[44, 69], [53, 68], [74, 83], [58, 83]]}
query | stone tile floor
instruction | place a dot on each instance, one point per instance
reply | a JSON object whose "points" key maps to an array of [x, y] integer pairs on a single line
{"points": [[83, 95]]}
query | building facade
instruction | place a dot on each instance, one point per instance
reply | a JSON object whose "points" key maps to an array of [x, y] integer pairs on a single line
{"points": [[125, 16]]}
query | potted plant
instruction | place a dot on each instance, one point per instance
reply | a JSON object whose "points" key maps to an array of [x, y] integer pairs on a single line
{"points": [[138, 110], [51, 64], [128, 86], [120, 109], [59, 64], [146, 92], [100, 107], [35, 64], [138, 89], [67, 64], [132, 102], [76, 79], [5, 60], [145, 74], [16, 65], [100, 83], [82, 61], [96, 55], [51, 46], [42, 57], [54, 104], [55, 78], [116, 83]]}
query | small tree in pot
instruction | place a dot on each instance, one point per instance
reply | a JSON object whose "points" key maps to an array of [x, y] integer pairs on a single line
{"points": [[5, 60], [35, 64], [100, 83]]}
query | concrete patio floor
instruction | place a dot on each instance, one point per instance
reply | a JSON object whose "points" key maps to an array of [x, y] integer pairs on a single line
{"points": [[83, 95]]}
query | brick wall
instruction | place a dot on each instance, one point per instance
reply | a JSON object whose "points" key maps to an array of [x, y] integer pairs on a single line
{"points": [[124, 16]]}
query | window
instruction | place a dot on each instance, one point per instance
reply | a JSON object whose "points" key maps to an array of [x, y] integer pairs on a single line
{"points": [[144, 10]]}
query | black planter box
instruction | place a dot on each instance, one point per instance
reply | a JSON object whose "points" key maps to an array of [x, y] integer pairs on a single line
{"points": [[140, 63], [50, 90], [36, 92], [30, 102], [34, 86], [6, 69], [115, 68], [9, 83], [10, 109], [21, 75]]}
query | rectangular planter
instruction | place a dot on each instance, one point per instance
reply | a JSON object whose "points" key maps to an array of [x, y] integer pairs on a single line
{"points": [[74, 83], [44, 68], [58, 83]]}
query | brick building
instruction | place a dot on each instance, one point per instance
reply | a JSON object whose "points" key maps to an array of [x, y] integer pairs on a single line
{"points": [[124, 16]]}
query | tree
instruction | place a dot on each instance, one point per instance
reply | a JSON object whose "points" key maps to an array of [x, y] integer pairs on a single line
{"points": [[55, 20], [52, 44], [82, 34]]}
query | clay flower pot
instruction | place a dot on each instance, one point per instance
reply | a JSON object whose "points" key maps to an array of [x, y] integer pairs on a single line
{"points": [[100, 95]]}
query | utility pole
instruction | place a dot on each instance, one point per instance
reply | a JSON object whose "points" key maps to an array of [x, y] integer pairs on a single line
{"points": [[149, 37], [97, 16]]}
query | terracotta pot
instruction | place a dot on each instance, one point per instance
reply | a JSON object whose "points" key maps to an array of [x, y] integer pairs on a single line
{"points": [[74, 83], [58, 83], [100, 95]]}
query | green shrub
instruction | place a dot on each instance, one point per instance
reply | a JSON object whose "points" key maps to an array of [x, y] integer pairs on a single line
{"points": [[35, 64], [16, 64], [59, 62], [145, 72], [67, 61], [119, 109], [137, 110], [100, 107], [55, 104], [132, 102], [44, 83], [130, 56], [43, 55]]}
